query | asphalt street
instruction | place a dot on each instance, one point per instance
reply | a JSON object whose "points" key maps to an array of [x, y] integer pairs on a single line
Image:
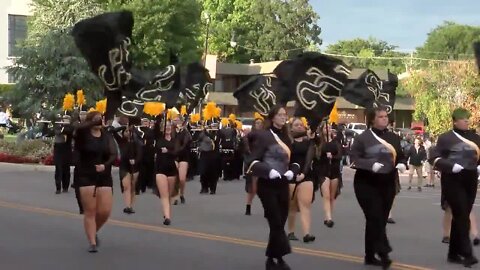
{"points": [[41, 230]]}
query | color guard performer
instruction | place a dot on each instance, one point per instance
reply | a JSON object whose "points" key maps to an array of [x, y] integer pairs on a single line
{"points": [[97, 152]]}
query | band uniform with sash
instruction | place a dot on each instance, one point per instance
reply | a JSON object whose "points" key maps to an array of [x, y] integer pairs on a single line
{"points": [[459, 188], [272, 151], [374, 187]]}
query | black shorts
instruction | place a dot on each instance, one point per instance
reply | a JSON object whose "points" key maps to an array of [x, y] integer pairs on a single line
{"points": [[168, 168], [98, 181], [184, 156]]}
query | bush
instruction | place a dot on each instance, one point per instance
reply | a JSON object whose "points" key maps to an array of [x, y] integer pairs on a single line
{"points": [[32, 151]]}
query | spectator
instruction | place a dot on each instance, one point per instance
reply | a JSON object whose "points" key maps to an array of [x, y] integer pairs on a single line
{"points": [[417, 157]]}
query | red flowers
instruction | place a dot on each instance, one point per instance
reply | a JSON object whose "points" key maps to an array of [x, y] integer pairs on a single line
{"points": [[4, 157]]}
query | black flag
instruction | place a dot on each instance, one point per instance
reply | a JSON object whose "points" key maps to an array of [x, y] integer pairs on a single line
{"points": [[104, 39], [370, 91], [257, 94], [314, 81], [196, 83]]}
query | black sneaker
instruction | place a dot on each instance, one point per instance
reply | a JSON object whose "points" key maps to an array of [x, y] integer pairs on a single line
{"points": [[329, 223], [128, 210], [58, 192], [390, 221], [167, 222], [175, 202], [282, 265], [291, 236], [455, 259], [372, 261], [476, 241], [409, 188], [446, 240], [182, 199], [308, 238], [93, 249]]}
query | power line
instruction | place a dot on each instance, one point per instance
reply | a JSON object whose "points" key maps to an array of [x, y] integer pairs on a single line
{"points": [[410, 58]]}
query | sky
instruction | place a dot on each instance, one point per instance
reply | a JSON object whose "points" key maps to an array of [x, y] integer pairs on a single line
{"points": [[404, 23]]}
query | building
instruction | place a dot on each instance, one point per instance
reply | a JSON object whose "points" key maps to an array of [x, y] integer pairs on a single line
{"points": [[13, 29], [229, 76]]}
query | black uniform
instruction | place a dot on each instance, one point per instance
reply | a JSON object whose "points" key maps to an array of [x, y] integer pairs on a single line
{"points": [[62, 156], [165, 162], [302, 154], [129, 149], [193, 163], [375, 191], [94, 151], [458, 189], [183, 140], [228, 145], [209, 160], [329, 168], [146, 176], [270, 154]]}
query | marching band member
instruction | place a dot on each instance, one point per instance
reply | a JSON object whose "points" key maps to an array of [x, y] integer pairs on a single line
{"points": [[209, 159], [376, 155], [327, 166], [182, 150], [62, 154], [80, 118], [147, 165], [301, 188], [130, 156], [249, 144], [270, 162], [97, 152], [165, 167], [227, 136], [456, 156]]}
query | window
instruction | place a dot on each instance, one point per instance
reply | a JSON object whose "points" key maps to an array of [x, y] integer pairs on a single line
{"points": [[17, 32], [11, 78]]}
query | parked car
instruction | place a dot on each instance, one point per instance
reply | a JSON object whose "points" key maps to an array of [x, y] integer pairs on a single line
{"points": [[358, 128]]}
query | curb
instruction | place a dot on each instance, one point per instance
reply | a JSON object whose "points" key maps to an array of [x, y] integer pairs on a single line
{"points": [[27, 167]]}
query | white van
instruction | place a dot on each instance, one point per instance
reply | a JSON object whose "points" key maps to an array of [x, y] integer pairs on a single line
{"points": [[358, 128]]}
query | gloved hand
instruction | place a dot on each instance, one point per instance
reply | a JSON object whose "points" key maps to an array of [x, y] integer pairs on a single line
{"points": [[274, 174], [457, 168], [478, 169], [289, 175], [401, 167], [377, 166]]}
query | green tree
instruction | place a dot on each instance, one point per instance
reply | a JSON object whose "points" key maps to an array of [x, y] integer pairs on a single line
{"points": [[49, 64], [264, 30], [162, 28], [51, 15], [450, 41], [47, 71], [366, 50], [440, 88]]}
